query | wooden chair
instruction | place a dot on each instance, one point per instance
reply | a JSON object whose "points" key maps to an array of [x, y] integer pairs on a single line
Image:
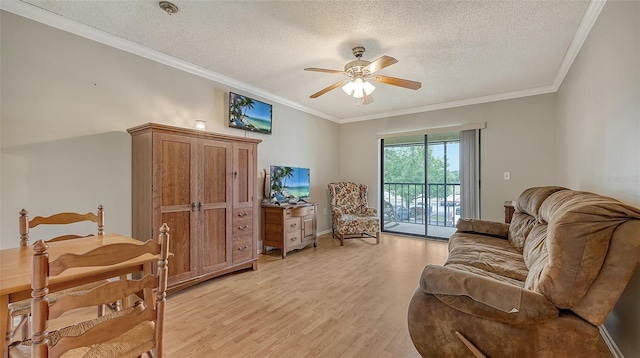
{"points": [[21, 309], [130, 332], [59, 219]]}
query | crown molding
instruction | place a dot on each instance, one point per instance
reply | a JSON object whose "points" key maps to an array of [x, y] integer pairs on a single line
{"points": [[588, 20], [46, 17], [453, 104]]}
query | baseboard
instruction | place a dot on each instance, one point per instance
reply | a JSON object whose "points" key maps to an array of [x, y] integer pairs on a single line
{"points": [[323, 232], [613, 347]]}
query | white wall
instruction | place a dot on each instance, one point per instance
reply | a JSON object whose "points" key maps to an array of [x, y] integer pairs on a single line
{"points": [[519, 138], [67, 102], [598, 133]]}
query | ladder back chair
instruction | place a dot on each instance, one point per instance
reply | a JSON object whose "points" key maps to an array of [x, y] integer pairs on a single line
{"points": [[59, 219], [20, 310], [131, 332]]}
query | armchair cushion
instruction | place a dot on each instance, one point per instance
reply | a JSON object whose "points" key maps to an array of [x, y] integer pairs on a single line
{"points": [[357, 223]]}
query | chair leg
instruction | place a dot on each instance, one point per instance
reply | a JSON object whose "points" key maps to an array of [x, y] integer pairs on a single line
{"points": [[378, 237], [342, 240]]}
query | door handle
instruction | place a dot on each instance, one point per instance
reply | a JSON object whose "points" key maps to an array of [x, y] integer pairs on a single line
{"points": [[193, 206], [199, 206]]}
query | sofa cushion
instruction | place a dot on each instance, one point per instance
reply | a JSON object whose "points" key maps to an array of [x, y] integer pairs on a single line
{"points": [[486, 295], [486, 253], [580, 226], [521, 225], [531, 199], [535, 249], [489, 228], [526, 213]]}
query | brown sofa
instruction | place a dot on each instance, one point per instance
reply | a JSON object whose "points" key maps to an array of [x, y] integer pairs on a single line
{"points": [[539, 287]]}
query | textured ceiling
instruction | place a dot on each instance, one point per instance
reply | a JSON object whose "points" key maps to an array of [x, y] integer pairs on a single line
{"points": [[461, 51]]}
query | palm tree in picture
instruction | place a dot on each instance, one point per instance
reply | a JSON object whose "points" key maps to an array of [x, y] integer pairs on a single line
{"points": [[287, 172], [236, 109], [247, 103]]}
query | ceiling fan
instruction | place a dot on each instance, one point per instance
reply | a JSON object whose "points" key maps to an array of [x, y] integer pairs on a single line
{"points": [[359, 73]]}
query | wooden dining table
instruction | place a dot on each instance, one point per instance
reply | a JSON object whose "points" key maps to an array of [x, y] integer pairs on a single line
{"points": [[16, 267]]}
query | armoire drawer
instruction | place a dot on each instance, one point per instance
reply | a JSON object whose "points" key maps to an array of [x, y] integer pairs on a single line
{"points": [[242, 249], [242, 213], [242, 227]]}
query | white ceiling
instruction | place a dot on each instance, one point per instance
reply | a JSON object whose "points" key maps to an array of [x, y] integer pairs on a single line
{"points": [[463, 52]]}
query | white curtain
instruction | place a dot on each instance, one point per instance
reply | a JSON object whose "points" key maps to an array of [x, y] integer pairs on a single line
{"points": [[469, 174]]}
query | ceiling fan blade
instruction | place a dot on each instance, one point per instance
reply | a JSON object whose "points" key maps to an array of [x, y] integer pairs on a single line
{"points": [[322, 70], [397, 82], [382, 62], [323, 91]]}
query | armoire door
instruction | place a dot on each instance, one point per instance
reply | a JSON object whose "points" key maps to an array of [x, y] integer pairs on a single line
{"points": [[243, 174], [175, 191], [214, 204]]}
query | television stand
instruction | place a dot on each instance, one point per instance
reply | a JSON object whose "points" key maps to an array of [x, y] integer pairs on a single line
{"points": [[289, 227]]}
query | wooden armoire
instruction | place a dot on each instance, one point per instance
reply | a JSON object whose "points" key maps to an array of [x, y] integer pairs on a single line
{"points": [[203, 185]]}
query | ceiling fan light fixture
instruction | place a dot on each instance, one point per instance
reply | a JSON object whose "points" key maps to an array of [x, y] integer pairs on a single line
{"points": [[358, 88], [368, 88], [348, 88], [359, 75]]}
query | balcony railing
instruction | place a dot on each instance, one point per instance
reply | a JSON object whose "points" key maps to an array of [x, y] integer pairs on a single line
{"points": [[434, 203]]}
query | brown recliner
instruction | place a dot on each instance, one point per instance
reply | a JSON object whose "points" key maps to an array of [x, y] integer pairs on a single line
{"points": [[539, 287]]}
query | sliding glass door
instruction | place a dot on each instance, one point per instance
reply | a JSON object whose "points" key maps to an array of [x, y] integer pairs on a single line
{"points": [[420, 187]]}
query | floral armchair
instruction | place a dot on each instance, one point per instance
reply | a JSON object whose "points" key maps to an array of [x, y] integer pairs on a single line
{"points": [[350, 213]]}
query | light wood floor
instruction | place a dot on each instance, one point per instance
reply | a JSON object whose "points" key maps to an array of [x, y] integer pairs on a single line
{"points": [[328, 301]]}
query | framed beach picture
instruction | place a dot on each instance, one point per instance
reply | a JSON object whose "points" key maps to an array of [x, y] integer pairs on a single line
{"points": [[249, 114]]}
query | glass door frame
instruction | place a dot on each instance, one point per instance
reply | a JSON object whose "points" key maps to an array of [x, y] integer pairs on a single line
{"points": [[426, 199]]}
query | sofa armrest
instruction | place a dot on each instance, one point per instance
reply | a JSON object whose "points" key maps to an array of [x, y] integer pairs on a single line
{"points": [[370, 211], [485, 297], [489, 228]]}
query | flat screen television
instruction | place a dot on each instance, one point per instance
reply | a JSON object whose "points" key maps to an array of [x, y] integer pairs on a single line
{"points": [[249, 114], [289, 184]]}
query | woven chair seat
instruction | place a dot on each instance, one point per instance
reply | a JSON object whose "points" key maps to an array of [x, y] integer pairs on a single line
{"points": [[132, 344], [23, 307]]}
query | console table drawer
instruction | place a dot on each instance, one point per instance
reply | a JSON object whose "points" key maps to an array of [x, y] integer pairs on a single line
{"points": [[302, 211], [294, 238], [292, 225]]}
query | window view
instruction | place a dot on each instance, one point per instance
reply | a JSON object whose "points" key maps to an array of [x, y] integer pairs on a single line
{"points": [[421, 184]]}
